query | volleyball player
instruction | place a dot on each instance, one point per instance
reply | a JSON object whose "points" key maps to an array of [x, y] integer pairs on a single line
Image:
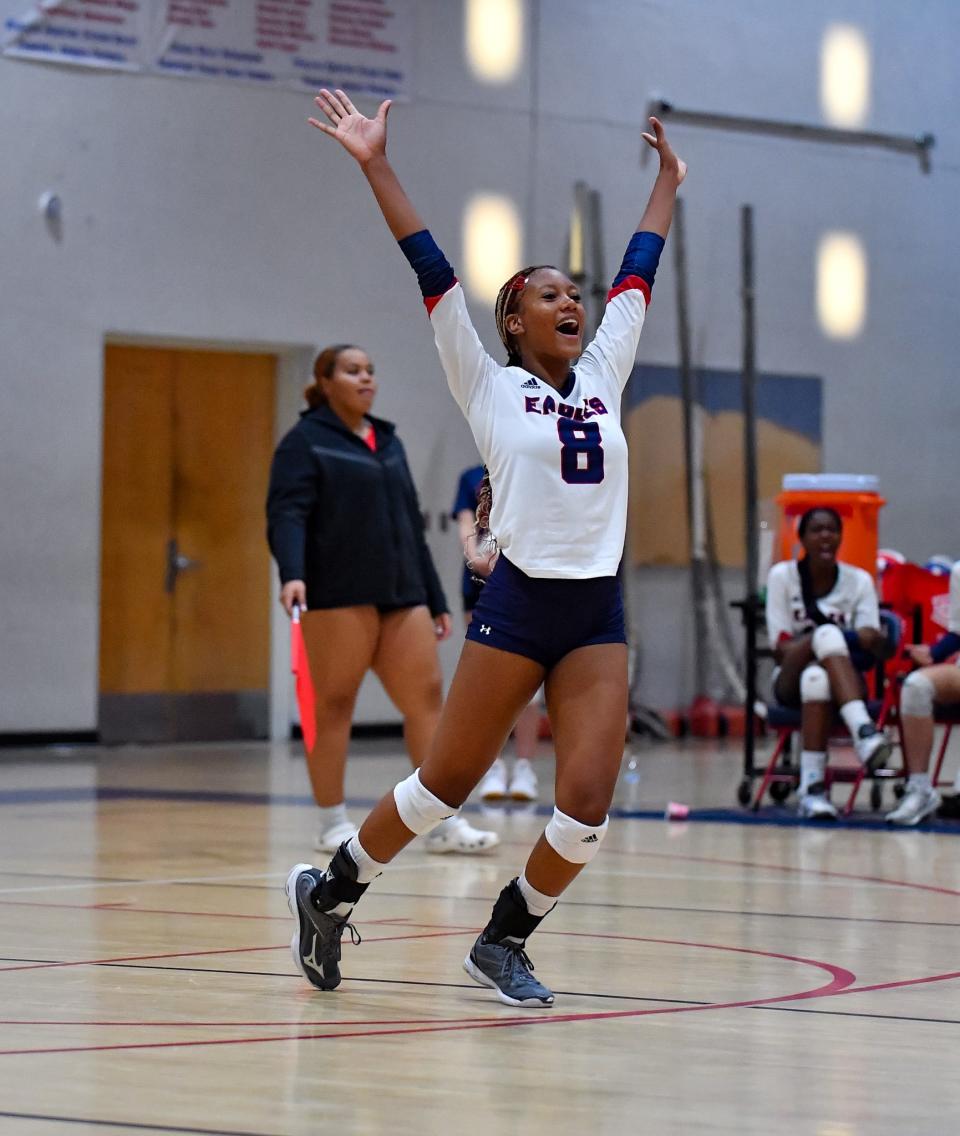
{"points": [[937, 681], [550, 436], [823, 622]]}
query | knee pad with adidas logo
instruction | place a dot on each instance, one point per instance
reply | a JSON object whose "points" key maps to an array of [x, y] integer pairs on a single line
{"points": [[572, 841]]}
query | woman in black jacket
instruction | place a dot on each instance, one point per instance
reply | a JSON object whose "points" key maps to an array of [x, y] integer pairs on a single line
{"points": [[345, 528]]}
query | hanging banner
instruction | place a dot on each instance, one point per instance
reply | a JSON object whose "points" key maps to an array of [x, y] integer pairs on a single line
{"points": [[89, 33], [363, 46]]}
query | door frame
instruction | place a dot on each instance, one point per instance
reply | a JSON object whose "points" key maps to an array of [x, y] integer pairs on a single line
{"points": [[294, 362]]}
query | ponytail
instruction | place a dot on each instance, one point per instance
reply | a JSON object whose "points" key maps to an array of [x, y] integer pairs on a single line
{"points": [[323, 367]]}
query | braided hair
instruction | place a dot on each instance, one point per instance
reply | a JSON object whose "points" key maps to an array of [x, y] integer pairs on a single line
{"points": [[508, 299]]}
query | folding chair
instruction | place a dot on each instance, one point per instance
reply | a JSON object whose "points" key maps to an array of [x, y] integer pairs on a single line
{"points": [[948, 717]]}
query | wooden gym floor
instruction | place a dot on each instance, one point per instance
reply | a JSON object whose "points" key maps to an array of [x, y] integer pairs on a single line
{"points": [[711, 976]]}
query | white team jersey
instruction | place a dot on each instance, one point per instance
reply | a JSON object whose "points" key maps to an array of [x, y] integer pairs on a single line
{"points": [[851, 604], [558, 463], [953, 616]]}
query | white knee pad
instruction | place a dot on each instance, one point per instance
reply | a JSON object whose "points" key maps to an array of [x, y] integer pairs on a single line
{"points": [[419, 809], [814, 684], [575, 842], [916, 698], [828, 642]]}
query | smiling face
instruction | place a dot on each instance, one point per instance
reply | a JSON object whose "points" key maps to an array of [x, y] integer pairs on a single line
{"points": [[821, 536], [547, 321], [350, 387]]}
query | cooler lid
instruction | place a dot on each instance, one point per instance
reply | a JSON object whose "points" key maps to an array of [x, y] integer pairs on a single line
{"points": [[832, 482]]}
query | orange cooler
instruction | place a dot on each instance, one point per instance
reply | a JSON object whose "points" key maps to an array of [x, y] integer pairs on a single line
{"points": [[854, 496]]}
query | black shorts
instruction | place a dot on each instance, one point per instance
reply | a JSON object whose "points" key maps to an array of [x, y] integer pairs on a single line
{"points": [[545, 619]]}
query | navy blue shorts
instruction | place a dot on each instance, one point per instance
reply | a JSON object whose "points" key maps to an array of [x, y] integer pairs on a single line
{"points": [[545, 619]]}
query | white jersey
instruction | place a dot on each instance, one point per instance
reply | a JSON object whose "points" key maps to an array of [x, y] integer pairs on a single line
{"points": [[850, 604], [557, 462]]}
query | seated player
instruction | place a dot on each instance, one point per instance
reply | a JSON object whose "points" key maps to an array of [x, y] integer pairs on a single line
{"points": [[936, 681], [824, 626]]}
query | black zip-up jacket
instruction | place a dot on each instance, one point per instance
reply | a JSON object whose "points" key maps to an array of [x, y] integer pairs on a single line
{"points": [[347, 520]]}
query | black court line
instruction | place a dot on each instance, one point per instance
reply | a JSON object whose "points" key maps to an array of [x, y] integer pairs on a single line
{"points": [[132, 1125], [862, 1014], [687, 910], [74, 879], [473, 988]]}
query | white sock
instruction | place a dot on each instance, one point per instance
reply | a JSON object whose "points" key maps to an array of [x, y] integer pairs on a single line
{"points": [[919, 781], [855, 715], [334, 814], [537, 903], [812, 768], [367, 868]]}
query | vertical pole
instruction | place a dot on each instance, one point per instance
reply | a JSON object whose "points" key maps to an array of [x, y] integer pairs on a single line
{"points": [[748, 391], [692, 455]]}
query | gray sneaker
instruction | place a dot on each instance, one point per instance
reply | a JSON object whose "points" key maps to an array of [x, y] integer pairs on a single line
{"points": [[506, 968], [315, 945], [917, 804]]}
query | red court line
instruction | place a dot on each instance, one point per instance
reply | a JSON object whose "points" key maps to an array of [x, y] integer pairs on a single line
{"points": [[124, 907], [902, 983], [840, 978], [216, 951], [935, 888], [826, 991]]}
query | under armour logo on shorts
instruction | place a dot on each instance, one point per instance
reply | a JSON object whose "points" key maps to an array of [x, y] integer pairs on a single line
{"points": [[484, 629]]}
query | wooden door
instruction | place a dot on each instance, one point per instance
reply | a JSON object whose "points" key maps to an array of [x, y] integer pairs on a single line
{"points": [[184, 603]]}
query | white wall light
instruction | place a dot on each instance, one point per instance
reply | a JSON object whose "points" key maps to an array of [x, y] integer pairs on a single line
{"points": [[494, 39], [845, 76], [491, 244], [842, 273]]}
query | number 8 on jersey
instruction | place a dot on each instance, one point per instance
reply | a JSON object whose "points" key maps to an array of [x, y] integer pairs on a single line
{"points": [[581, 452]]}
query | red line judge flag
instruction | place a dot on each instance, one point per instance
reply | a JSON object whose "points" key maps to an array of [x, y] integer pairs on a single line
{"points": [[301, 669]]}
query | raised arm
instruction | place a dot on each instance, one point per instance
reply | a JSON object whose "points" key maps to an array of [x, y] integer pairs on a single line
{"points": [[365, 140], [659, 211]]}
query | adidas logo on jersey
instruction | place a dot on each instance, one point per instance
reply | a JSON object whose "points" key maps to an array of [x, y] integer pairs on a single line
{"points": [[530, 384]]}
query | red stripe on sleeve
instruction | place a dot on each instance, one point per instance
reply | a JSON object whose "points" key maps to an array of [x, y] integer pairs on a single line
{"points": [[631, 282], [430, 302]]}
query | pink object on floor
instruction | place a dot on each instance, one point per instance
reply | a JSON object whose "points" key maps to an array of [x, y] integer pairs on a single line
{"points": [[676, 811]]}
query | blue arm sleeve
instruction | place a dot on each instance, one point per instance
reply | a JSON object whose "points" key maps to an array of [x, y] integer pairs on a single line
{"points": [[434, 273], [641, 258], [945, 646]]}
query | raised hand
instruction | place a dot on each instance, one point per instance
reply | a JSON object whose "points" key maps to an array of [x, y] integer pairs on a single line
{"points": [[669, 162], [363, 138]]}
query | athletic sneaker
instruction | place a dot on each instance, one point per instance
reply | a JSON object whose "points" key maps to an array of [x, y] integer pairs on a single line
{"points": [[872, 746], [456, 834], [315, 945], [523, 782], [816, 806], [330, 839], [917, 804], [506, 968], [493, 787]]}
